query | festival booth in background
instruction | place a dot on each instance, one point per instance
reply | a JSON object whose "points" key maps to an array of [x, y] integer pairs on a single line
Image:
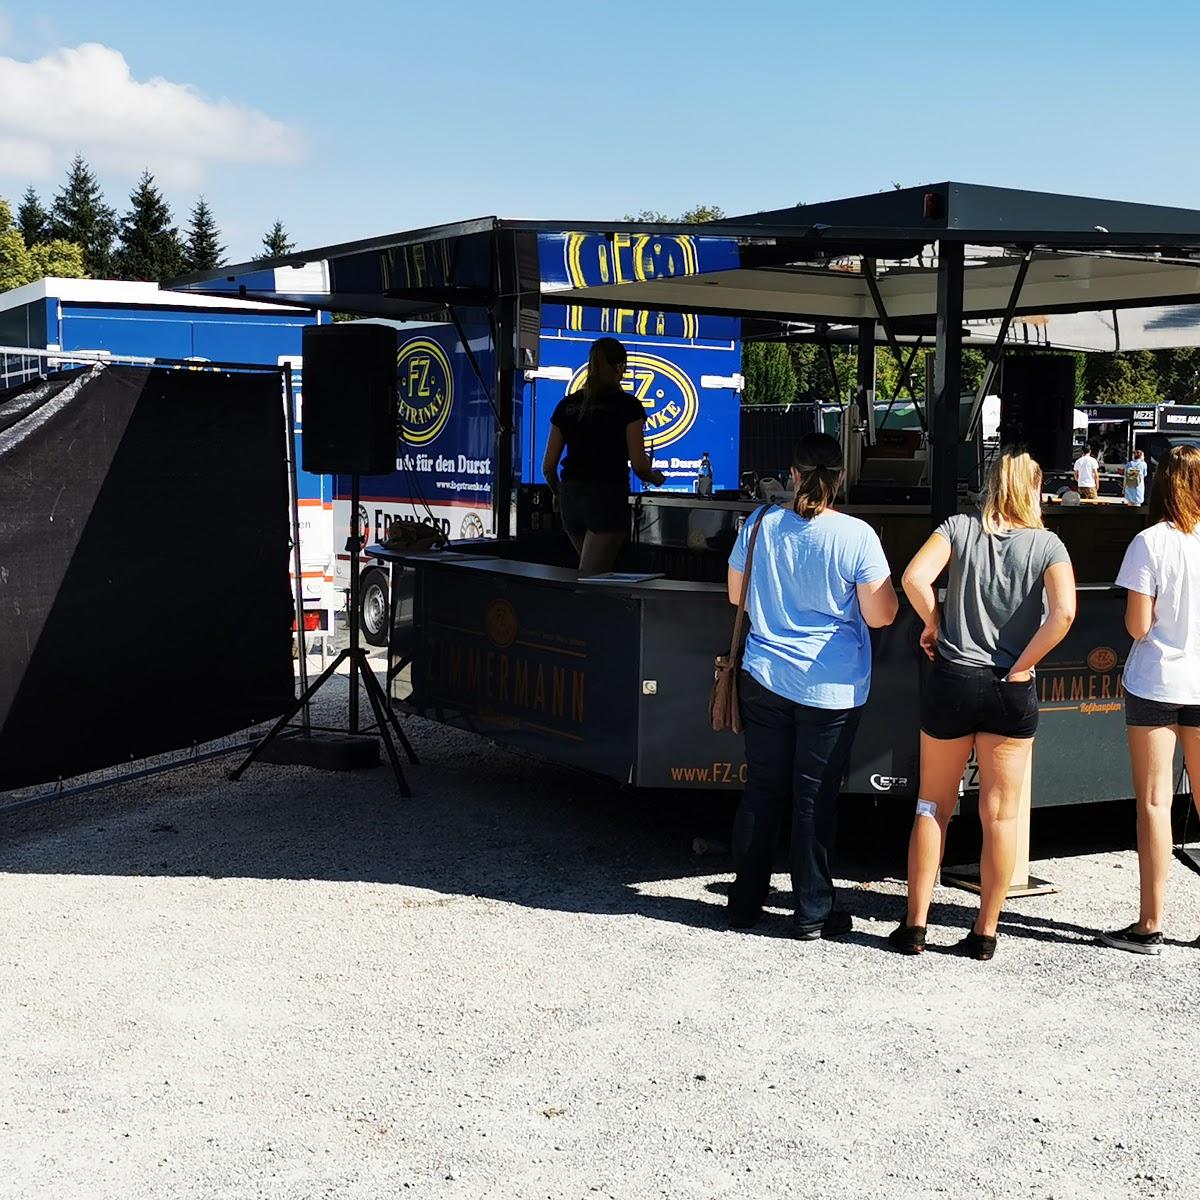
{"points": [[501, 636]]}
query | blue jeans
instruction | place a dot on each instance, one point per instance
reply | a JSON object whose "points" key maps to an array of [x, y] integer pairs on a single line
{"points": [[795, 756]]}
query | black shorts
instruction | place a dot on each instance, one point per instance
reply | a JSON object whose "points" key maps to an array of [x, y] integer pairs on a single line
{"points": [[590, 507], [1155, 714], [959, 700]]}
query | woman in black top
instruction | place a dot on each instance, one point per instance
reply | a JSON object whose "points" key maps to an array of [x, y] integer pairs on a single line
{"points": [[600, 427]]}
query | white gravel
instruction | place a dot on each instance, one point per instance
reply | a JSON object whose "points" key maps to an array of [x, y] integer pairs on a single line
{"points": [[517, 985]]}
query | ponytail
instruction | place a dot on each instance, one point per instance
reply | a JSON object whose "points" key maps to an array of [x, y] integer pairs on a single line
{"points": [[817, 462]]}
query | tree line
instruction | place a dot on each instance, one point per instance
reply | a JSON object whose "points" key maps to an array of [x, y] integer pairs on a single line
{"points": [[80, 234]]}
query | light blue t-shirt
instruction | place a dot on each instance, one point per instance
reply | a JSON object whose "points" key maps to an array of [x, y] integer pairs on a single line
{"points": [[808, 641], [1135, 481]]}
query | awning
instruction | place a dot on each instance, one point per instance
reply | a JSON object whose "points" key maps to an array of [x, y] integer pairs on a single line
{"points": [[840, 263]]}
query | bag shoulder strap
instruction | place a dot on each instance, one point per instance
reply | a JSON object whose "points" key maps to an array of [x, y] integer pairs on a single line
{"points": [[741, 607]]}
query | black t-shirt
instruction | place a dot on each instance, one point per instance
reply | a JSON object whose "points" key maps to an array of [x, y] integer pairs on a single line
{"points": [[596, 448]]}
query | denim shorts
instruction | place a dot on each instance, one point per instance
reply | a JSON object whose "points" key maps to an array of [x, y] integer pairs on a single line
{"points": [[958, 700], [588, 506], [1155, 714]]}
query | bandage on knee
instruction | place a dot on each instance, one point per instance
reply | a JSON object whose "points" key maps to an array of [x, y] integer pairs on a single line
{"points": [[926, 808]]}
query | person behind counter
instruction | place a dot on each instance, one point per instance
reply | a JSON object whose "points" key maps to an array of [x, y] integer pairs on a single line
{"points": [[1135, 479], [1161, 573], [817, 579], [980, 694], [601, 429]]}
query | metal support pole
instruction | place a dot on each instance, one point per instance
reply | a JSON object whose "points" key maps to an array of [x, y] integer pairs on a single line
{"points": [[865, 392], [289, 401], [947, 384], [354, 545], [504, 333], [868, 270], [997, 350]]}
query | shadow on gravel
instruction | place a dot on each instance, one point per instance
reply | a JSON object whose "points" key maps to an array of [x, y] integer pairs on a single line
{"points": [[487, 822]]}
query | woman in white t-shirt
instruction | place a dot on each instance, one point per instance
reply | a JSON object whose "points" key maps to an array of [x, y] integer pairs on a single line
{"points": [[1161, 573]]}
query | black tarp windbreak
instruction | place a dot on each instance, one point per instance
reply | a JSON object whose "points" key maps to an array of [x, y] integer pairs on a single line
{"points": [[144, 595]]}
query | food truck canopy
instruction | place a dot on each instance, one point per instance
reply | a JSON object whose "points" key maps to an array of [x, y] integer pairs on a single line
{"points": [[805, 264]]}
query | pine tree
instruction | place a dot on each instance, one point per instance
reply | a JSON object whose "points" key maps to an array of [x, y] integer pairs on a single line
{"points": [[150, 248], [33, 219], [80, 215], [276, 243], [202, 249]]}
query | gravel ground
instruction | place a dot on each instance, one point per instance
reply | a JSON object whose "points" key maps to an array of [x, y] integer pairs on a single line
{"points": [[517, 985]]}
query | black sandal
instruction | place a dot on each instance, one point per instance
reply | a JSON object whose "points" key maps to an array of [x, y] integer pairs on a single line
{"points": [[977, 946], [907, 939]]}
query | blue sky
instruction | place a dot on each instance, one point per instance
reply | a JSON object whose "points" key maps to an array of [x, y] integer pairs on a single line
{"points": [[356, 119]]}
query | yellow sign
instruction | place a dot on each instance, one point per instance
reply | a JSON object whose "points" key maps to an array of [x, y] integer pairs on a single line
{"points": [[426, 387]]}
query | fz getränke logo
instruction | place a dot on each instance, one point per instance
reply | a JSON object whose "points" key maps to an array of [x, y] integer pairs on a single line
{"points": [[667, 394], [592, 259], [426, 388]]}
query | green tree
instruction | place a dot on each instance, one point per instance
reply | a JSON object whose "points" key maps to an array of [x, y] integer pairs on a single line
{"points": [[769, 373], [150, 248], [276, 242], [1178, 374], [20, 264], [56, 259], [702, 213], [1122, 378], [202, 249], [80, 215], [14, 257], [33, 219], [694, 216]]}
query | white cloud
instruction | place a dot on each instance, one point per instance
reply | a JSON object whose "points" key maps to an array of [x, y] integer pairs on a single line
{"points": [[85, 100]]}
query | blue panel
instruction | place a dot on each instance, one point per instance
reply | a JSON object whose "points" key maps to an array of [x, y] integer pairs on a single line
{"points": [[136, 332], [684, 419], [593, 259], [447, 425]]}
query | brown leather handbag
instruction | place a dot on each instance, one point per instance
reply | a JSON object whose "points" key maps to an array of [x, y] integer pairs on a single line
{"points": [[723, 710]]}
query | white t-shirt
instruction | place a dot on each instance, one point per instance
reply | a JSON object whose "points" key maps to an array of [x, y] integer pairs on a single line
{"points": [[1165, 665], [1088, 471]]}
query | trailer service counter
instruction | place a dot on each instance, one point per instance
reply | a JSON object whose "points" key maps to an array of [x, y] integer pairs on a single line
{"points": [[504, 639], [614, 677]]}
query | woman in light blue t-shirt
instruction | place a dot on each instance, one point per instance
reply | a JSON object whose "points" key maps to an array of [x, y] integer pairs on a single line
{"points": [[818, 579]]}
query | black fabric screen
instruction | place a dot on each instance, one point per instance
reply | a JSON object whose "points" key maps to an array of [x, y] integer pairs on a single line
{"points": [[144, 594]]}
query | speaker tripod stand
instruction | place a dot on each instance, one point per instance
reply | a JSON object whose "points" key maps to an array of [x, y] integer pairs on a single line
{"points": [[386, 720]]}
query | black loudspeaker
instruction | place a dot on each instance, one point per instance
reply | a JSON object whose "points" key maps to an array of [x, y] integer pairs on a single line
{"points": [[1037, 407], [350, 402]]}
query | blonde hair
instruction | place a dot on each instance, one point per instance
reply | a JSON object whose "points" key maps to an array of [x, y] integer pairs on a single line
{"points": [[1009, 492], [1175, 494]]}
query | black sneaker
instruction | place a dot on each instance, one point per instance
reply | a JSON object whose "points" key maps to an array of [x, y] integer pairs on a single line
{"points": [[907, 939], [837, 924], [1129, 939]]}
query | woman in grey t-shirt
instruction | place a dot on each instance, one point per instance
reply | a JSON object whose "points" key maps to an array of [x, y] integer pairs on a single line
{"points": [[980, 693]]}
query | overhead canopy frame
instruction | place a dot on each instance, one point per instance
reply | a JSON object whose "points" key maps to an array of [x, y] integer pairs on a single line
{"points": [[940, 255]]}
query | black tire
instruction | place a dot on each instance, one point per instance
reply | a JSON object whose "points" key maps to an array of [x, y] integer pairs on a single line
{"points": [[374, 611]]}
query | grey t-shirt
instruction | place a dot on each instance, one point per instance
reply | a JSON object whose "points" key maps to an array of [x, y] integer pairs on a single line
{"points": [[995, 594]]}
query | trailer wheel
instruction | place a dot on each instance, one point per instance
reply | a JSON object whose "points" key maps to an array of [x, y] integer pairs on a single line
{"points": [[373, 608]]}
